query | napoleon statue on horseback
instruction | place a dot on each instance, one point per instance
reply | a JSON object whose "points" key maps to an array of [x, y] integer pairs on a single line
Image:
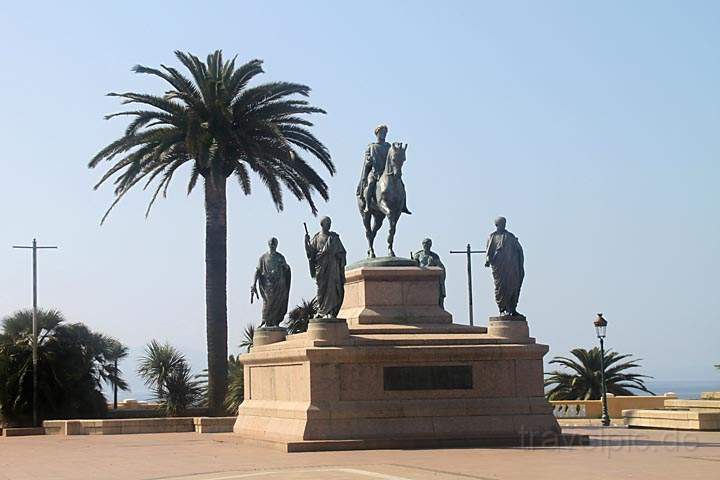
{"points": [[381, 192]]}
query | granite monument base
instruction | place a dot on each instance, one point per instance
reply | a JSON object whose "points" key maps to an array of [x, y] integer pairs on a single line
{"points": [[413, 379]]}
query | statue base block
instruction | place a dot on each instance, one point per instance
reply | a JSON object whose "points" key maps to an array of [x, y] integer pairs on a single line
{"points": [[406, 382], [268, 335], [393, 295], [510, 327]]}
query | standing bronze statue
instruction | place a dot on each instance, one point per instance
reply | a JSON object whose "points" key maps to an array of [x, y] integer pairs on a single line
{"points": [[273, 276], [327, 257], [427, 258], [381, 191], [505, 256]]}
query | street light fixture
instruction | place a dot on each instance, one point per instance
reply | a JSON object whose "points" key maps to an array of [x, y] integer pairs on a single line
{"points": [[600, 328]]}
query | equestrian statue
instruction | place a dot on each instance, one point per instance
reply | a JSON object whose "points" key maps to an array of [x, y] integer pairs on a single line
{"points": [[381, 192]]}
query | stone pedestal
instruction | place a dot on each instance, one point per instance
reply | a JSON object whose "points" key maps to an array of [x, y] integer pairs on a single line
{"points": [[268, 335], [396, 374], [393, 295], [328, 331], [513, 327]]}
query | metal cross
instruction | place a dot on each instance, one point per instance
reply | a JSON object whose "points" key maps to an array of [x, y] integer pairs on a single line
{"points": [[469, 251], [34, 248]]}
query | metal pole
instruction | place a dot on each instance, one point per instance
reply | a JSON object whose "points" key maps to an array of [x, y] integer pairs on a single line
{"points": [[34, 335], [468, 253], [34, 248], [605, 416], [469, 273], [115, 386]]}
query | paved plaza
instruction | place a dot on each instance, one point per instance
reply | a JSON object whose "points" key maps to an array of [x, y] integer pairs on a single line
{"points": [[615, 453]]}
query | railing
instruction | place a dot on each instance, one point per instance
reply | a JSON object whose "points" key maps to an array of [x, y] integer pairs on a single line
{"points": [[576, 408], [593, 408]]}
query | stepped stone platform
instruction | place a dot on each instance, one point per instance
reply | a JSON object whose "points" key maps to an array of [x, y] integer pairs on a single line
{"points": [[678, 415], [672, 419], [693, 405], [394, 372]]}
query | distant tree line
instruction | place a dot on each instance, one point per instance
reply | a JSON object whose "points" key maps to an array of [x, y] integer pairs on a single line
{"points": [[73, 364]]}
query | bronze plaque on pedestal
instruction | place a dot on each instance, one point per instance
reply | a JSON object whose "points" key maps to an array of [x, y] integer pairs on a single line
{"points": [[428, 377]]}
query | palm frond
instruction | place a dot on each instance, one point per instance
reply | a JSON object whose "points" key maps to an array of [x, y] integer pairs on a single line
{"points": [[213, 119]]}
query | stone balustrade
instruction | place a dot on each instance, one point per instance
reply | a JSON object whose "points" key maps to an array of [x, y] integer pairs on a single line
{"points": [[616, 404]]}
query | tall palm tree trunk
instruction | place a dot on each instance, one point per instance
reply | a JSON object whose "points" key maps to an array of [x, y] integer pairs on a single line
{"points": [[216, 290]]}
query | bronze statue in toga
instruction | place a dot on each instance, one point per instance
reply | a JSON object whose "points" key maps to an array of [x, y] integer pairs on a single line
{"points": [[427, 258], [273, 277], [505, 256], [327, 257]]}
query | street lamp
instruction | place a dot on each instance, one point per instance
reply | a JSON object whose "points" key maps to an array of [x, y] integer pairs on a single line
{"points": [[600, 328]]}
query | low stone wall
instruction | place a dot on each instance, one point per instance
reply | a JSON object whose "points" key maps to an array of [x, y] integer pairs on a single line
{"points": [[214, 424], [616, 405], [21, 431], [125, 426], [139, 425], [132, 404]]}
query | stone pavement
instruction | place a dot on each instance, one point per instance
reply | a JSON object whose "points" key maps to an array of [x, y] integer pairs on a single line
{"points": [[615, 453]]}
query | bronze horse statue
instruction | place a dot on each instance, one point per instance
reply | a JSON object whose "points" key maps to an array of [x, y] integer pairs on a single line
{"points": [[389, 199]]}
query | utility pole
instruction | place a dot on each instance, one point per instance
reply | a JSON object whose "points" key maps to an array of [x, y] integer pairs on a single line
{"points": [[34, 248], [469, 251]]}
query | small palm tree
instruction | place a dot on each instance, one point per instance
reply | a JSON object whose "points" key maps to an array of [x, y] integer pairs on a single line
{"points": [[157, 363], [116, 352], [167, 373], [213, 122], [583, 380], [182, 391], [247, 340], [299, 317], [236, 385]]}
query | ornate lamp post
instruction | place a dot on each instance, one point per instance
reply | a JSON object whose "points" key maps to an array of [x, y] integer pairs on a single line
{"points": [[600, 327]]}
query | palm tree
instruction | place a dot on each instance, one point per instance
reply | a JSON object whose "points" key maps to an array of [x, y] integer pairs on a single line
{"points": [[247, 340], [72, 365], [222, 128], [167, 373], [156, 365], [299, 317], [236, 385], [116, 352], [582, 382], [182, 391]]}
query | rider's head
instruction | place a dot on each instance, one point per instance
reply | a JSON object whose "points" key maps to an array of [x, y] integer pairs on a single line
{"points": [[427, 244], [325, 224], [500, 223], [381, 132], [273, 243]]}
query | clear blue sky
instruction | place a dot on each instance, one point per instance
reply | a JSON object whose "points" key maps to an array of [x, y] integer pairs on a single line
{"points": [[593, 128]]}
